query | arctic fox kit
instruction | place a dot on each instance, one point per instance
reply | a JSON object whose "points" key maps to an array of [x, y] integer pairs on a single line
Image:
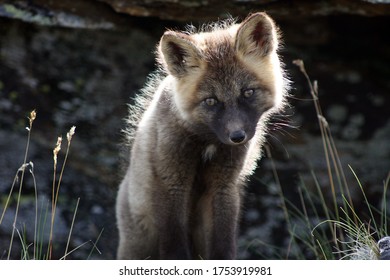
{"points": [[198, 140]]}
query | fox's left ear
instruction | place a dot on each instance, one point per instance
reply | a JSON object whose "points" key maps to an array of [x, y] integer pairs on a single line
{"points": [[256, 36]]}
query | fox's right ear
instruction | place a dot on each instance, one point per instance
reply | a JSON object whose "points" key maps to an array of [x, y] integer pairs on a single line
{"points": [[178, 53]]}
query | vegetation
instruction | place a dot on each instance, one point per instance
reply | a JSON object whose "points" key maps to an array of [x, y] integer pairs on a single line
{"points": [[36, 250], [328, 229], [333, 229]]}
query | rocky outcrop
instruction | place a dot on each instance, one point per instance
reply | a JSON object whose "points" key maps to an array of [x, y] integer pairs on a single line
{"points": [[82, 61], [107, 14], [206, 10]]}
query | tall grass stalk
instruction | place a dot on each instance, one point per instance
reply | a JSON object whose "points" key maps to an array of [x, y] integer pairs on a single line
{"points": [[334, 167], [71, 228], [279, 185], [56, 150], [332, 157], [41, 219], [384, 204], [56, 188], [352, 238], [43, 216], [365, 197], [36, 209], [22, 170]]}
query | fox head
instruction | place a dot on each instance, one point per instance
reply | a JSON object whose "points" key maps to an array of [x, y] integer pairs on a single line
{"points": [[226, 80]]}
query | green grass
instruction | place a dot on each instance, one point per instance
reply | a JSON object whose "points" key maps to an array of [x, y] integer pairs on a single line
{"points": [[331, 228], [322, 220]]}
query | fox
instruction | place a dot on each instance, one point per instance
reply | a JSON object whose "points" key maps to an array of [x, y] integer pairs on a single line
{"points": [[196, 136]]}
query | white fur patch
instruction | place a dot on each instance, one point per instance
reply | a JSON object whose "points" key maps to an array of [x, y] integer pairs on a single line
{"points": [[209, 152]]}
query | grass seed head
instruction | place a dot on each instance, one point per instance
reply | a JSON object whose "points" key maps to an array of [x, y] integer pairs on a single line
{"points": [[32, 117], [70, 134], [57, 149]]}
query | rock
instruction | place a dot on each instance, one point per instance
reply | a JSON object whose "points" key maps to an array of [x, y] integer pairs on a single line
{"points": [[74, 14], [84, 73], [194, 10], [100, 14], [384, 248]]}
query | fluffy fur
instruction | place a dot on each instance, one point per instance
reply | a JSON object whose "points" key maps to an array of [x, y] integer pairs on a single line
{"points": [[196, 133]]}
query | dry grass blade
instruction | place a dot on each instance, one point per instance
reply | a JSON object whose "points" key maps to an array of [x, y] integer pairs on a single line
{"points": [[71, 228], [39, 223], [23, 168], [56, 187]]}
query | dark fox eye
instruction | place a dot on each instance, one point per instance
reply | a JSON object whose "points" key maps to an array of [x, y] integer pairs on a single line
{"points": [[248, 92], [210, 101]]}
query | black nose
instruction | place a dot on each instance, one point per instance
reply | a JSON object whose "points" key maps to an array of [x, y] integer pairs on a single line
{"points": [[237, 136]]}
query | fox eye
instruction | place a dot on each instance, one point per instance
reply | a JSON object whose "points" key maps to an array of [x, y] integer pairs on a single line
{"points": [[248, 92], [210, 101]]}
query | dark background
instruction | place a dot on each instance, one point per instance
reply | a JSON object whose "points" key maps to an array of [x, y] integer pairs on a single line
{"points": [[80, 62]]}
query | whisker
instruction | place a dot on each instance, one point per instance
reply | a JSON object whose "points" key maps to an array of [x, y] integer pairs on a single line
{"points": [[280, 124], [278, 141], [301, 98]]}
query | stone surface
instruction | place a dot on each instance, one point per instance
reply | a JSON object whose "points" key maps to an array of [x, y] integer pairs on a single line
{"points": [[84, 73], [108, 14], [384, 248], [207, 10]]}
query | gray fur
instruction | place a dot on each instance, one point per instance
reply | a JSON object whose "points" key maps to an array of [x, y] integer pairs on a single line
{"points": [[182, 193]]}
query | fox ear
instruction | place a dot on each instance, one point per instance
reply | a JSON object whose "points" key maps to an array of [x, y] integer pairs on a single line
{"points": [[256, 36], [178, 53]]}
